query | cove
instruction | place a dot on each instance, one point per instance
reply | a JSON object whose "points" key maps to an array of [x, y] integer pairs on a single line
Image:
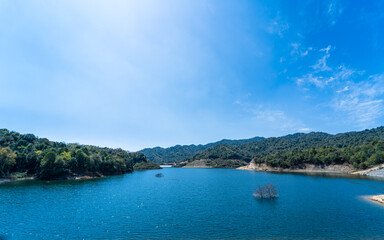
{"points": [[192, 204]]}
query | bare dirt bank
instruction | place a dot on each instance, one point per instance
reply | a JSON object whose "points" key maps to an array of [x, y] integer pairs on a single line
{"points": [[377, 171], [202, 163], [377, 198], [306, 168]]}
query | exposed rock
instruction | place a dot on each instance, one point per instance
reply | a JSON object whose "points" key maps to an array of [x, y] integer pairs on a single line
{"points": [[202, 163], [378, 198], [377, 171], [345, 168]]}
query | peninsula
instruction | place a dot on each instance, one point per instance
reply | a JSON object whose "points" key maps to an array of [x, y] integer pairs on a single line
{"points": [[27, 156]]}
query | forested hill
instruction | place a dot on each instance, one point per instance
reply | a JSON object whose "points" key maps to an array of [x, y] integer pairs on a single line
{"points": [[361, 149], [179, 153], [26, 154]]}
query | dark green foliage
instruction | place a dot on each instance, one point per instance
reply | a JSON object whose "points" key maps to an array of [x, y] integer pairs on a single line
{"points": [[179, 153], [51, 167], [54, 160], [146, 165], [82, 161], [225, 163], [361, 157], [360, 149], [7, 160]]}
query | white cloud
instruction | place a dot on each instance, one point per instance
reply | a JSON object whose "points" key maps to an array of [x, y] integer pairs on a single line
{"points": [[362, 102], [360, 99], [310, 78], [304, 129], [298, 50], [276, 119], [327, 49], [277, 26], [321, 65], [304, 53], [322, 75], [346, 88], [334, 11]]}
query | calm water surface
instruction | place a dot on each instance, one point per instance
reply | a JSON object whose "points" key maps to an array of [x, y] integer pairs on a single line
{"points": [[191, 204]]}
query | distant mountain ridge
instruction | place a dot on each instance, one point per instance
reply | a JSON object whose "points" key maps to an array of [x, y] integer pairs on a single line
{"points": [[179, 153], [360, 149]]}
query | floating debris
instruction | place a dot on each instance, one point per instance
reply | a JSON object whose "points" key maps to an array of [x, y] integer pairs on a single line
{"points": [[159, 175]]}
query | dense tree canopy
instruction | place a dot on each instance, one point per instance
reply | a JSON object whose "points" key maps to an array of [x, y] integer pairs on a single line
{"points": [[179, 153], [361, 149], [7, 160], [53, 160]]}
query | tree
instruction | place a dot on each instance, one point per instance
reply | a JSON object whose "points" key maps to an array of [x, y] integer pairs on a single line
{"points": [[7, 160], [82, 160], [266, 192], [51, 167], [94, 162]]}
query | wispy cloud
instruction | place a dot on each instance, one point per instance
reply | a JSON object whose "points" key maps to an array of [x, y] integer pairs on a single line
{"points": [[363, 101], [277, 119], [346, 88], [298, 50], [270, 117], [334, 11], [277, 26], [321, 65], [354, 94], [322, 74]]}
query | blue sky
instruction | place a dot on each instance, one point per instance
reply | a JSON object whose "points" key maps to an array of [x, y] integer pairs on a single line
{"points": [[135, 74]]}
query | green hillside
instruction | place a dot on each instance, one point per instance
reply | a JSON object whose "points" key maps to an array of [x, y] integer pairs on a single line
{"points": [[361, 149], [27, 154], [179, 153]]}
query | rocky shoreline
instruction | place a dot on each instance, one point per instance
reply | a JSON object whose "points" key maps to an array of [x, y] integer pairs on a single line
{"points": [[377, 171], [377, 198], [70, 177], [306, 168]]}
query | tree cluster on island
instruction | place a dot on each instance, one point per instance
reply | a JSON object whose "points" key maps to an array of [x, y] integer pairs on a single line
{"points": [[268, 191], [44, 159]]}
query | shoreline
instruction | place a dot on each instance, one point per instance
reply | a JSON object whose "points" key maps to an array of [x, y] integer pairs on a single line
{"points": [[377, 171], [82, 177], [374, 199], [68, 177], [196, 167], [308, 168], [378, 199]]}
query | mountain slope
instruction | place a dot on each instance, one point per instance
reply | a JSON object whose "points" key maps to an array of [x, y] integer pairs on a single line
{"points": [[361, 149], [178, 153]]}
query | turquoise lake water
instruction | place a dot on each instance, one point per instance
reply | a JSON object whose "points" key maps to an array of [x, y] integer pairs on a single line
{"points": [[192, 204]]}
